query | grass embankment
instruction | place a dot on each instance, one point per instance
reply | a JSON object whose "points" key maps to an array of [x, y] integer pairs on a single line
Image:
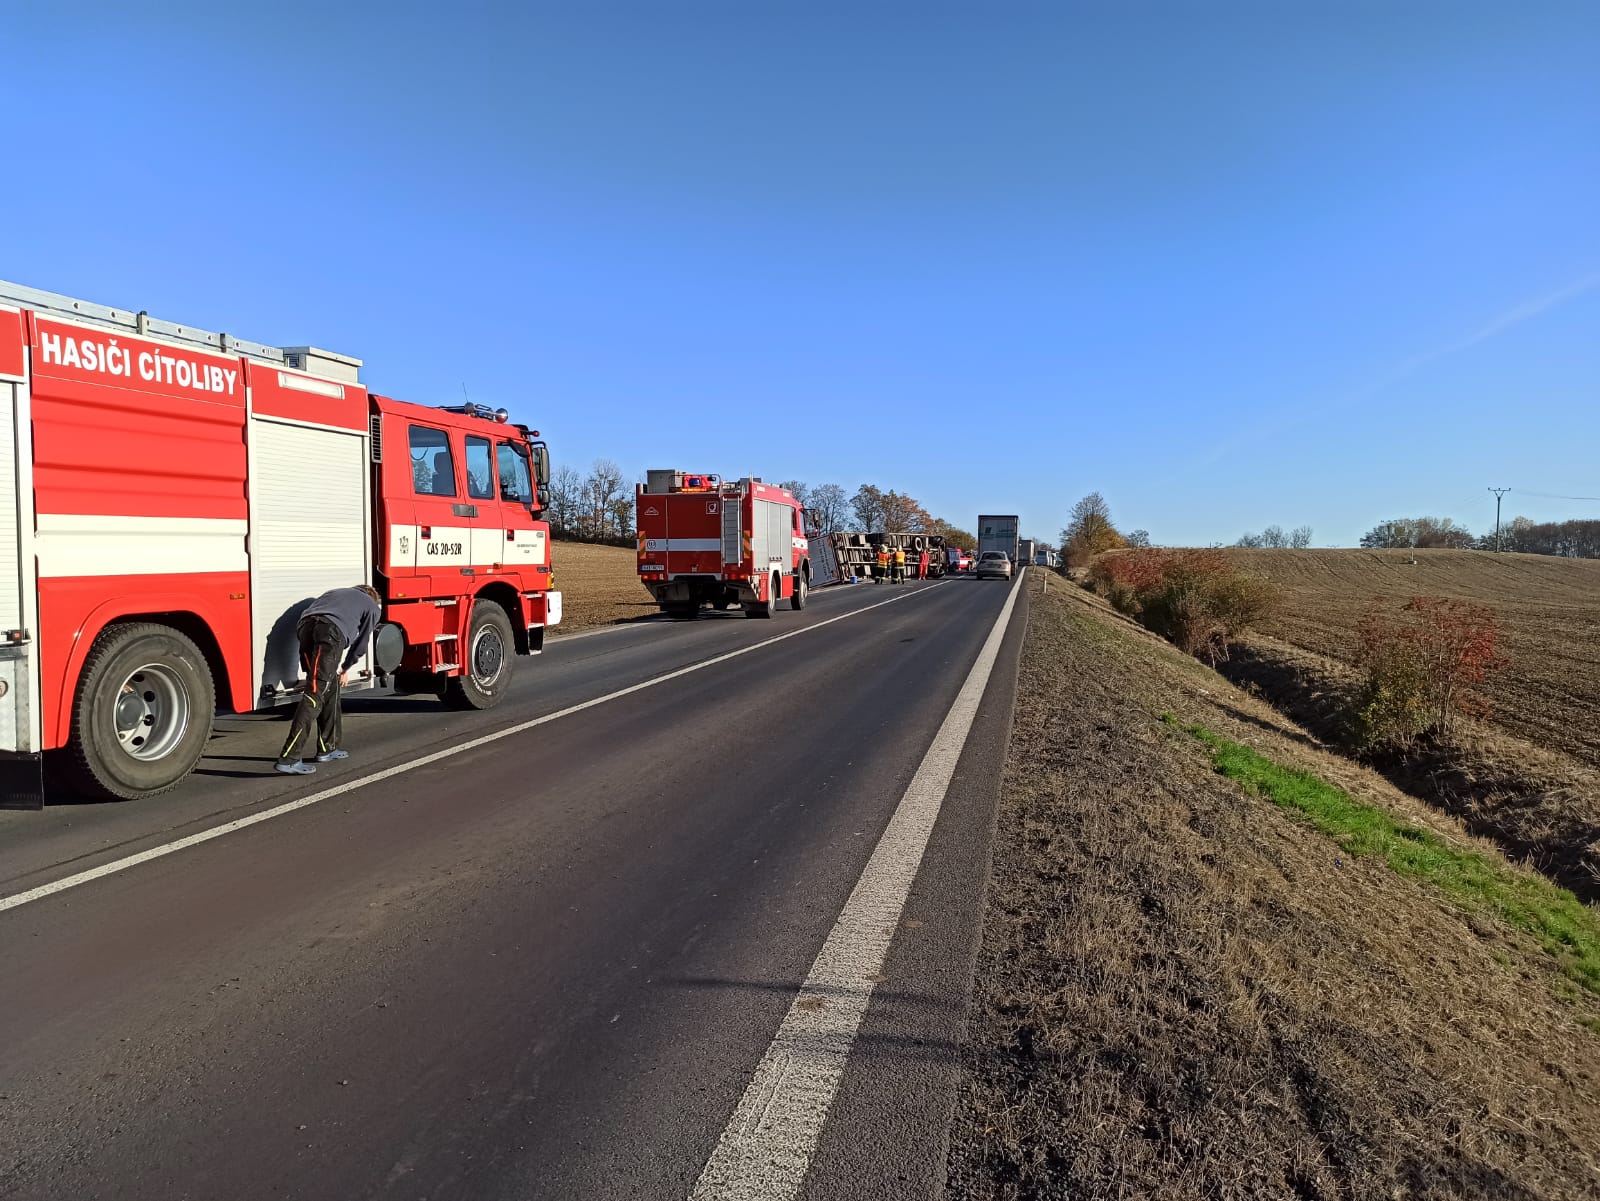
{"points": [[1526, 775], [1189, 988], [1561, 923]]}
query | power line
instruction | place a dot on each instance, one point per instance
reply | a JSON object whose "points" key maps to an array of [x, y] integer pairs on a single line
{"points": [[1550, 495]]}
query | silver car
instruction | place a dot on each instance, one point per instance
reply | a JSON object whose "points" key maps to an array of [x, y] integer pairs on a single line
{"points": [[994, 565]]}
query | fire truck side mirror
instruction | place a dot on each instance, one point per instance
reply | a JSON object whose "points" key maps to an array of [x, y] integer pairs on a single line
{"points": [[544, 497], [541, 467]]}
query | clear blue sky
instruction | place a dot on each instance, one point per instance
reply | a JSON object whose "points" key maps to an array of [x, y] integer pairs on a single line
{"points": [[1228, 264]]}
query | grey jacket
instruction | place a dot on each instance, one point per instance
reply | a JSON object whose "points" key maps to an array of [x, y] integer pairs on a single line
{"points": [[354, 613]]}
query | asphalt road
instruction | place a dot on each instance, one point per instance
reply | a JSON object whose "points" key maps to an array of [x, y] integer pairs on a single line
{"points": [[543, 967]]}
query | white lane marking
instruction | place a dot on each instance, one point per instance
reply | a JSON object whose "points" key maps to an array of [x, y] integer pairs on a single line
{"points": [[120, 865], [558, 636], [766, 1149]]}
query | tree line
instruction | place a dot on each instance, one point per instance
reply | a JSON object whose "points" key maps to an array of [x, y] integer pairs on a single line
{"points": [[598, 507], [1274, 537], [873, 510], [1576, 539]]}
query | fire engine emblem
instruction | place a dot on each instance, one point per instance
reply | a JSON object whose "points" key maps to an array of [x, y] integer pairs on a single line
{"points": [[405, 544], [711, 506], [652, 511]]}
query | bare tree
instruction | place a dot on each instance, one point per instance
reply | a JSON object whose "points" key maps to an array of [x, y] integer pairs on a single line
{"points": [[600, 493], [1273, 538], [1139, 538], [867, 505], [831, 505], [621, 515], [566, 496], [799, 490], [1301, 538]]}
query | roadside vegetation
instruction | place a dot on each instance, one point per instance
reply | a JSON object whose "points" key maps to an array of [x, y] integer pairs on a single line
{"points": [[1563, 926], [1196, 599], [1422, 667], [1284, 978]]}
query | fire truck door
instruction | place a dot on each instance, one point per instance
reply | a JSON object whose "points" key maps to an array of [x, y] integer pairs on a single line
{"points": [[19, 608], [500, 489], [310, 520], [523, 546], [444, 512]]}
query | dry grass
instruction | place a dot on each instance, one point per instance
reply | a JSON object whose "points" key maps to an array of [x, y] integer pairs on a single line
{"points": [[599, 585], [1185, 993]]}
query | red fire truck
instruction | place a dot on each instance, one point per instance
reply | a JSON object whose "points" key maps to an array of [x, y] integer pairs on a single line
{"points": [[173, 499], [702, 541]]}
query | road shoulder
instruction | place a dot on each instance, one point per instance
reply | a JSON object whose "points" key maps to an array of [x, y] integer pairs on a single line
{"points": [[886, 1136]]}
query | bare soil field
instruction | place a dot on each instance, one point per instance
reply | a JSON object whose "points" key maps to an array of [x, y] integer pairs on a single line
{"points": [[1185, 992], [1529, 774], [599, 585], [1549, 695]]}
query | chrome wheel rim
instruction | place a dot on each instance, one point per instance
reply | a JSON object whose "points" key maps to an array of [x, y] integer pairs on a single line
{"points": [[152, 712]]}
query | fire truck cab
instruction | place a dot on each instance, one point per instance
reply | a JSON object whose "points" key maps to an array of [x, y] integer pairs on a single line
{"points": [[706, 542], [171, 501]]}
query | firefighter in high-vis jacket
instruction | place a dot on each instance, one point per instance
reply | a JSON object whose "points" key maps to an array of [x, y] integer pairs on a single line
{"points": [[882, 575]]}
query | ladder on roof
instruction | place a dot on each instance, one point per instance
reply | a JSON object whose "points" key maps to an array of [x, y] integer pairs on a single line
{"points": [[56, 305]]}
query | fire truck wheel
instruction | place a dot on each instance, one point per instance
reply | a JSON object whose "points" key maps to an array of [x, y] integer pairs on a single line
{"points": [[767, 607], [142, 714], [486, 669], [798, 600]]}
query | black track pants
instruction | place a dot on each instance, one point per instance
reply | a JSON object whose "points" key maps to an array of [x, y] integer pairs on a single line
{"points": [[317, 728]]}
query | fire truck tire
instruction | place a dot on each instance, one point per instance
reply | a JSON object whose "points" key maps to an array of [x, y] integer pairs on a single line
{"points": [[142, 714], [486, 667], [798, 600], [767, 607]]}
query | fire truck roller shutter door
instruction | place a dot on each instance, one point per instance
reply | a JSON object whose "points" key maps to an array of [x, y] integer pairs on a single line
{"points": [[310, 521], [19, 716]]}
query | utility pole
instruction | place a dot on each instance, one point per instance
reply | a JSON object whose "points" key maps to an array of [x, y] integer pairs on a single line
{"points": [[1498, 493]]}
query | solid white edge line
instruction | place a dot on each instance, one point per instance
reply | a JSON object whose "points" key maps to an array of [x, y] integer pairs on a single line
{"points": [[19, 899], [766, 1149]]}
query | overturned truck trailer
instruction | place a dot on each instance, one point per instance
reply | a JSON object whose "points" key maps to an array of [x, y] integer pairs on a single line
{"points": [[841, 557]]}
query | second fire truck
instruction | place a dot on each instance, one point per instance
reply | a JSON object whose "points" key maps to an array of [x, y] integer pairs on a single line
{"points": [[171, 500], [706, 542]]}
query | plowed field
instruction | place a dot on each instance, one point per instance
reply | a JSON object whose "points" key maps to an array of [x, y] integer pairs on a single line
{"points": [[1549, 695], [599, 585]]}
